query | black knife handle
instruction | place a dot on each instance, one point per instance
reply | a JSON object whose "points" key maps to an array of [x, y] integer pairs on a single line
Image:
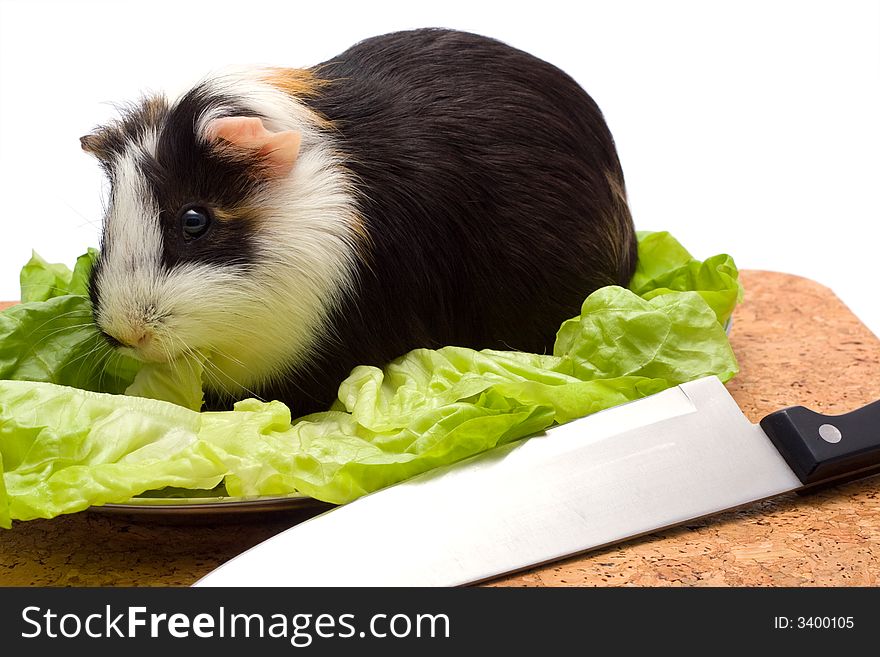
{"points": [[821, 447]]}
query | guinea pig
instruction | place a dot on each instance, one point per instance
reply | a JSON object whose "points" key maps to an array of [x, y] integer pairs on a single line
{"points": [[424, 188]]}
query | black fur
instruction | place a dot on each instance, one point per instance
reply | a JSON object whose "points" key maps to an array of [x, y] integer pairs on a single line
{"points": [[491, 191], [187, 173]]}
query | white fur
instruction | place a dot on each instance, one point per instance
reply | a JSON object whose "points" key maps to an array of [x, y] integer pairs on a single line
{"points": [[258, 323], [131, 264], [280, 110], [150, 141]]}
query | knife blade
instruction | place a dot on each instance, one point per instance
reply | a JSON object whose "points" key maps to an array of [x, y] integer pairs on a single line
{"points": [[681, 454]]}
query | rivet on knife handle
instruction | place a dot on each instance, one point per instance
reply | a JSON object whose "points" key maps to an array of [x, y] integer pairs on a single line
{"points": [[822, 447]]}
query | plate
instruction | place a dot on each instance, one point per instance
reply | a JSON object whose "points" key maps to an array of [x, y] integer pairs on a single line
{"points": [[211, 506]]}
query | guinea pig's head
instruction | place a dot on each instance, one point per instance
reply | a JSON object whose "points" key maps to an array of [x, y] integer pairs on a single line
{"points": [[230, 228]]}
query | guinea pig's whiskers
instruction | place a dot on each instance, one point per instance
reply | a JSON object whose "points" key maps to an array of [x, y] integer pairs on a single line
{"points": [[107, 362], [63, 330], [173, 362], [69, 313], [68, 327], [170, 349], [215, 373], [104, 361], [92, 222], [214, 370], [51, 334], [72, 313], [54, 288], [86, 358], [231, 358], [85, 355]]}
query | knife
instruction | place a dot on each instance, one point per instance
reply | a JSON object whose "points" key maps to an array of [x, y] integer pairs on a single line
{"points": [[664, 460]]}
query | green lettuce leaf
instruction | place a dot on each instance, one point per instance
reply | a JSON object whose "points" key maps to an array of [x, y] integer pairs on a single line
{"points": [[50, 336], [42, 280], [178, 382], [665, 266], [64, 448], [55, 341]]}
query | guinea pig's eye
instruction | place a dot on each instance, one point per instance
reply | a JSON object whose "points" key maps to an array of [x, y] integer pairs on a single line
{"points": [[195, 222]]}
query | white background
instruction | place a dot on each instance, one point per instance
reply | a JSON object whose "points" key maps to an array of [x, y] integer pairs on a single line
{"points": [[743, 127]]}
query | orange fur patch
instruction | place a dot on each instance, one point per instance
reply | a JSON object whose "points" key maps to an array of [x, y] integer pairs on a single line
{"points": [[295, 81], [299, 83], [304, 83], [224, 215]]}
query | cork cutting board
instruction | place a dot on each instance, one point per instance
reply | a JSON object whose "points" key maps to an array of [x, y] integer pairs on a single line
{"points": [[796, 344]]}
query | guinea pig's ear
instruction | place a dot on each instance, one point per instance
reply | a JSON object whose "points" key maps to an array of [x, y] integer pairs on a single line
{"points": [[97, 144], [279, 149]]}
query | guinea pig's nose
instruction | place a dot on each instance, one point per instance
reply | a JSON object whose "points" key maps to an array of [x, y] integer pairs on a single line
{"points": [[136, 338]]}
